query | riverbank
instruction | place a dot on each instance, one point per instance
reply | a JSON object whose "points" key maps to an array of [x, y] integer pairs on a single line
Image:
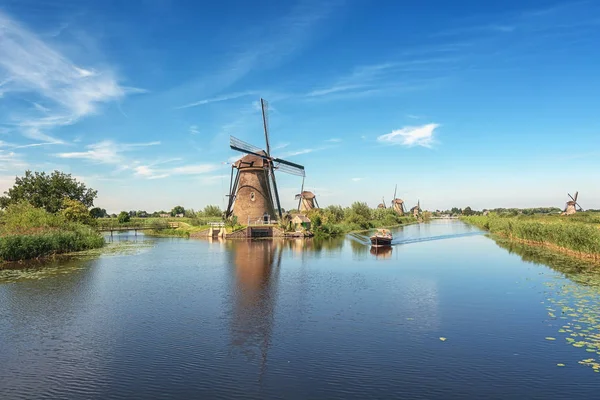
{"points": [[577, 235], [28, 233]]}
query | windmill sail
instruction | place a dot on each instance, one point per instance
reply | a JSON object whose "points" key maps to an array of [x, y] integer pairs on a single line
{"points": [[257, 160]]}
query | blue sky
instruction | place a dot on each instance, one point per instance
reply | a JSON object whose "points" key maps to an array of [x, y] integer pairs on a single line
{"points": [[487, 104]]}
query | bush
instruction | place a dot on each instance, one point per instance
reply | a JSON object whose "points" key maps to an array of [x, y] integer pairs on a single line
{"points": [[29, 232], [123, 217]]}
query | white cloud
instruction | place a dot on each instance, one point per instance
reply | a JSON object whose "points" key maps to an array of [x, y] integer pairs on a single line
{"points": [[105, 152], [334, 140], [224, 97], [411, 136], [297, 152], [357, 179], [194, 169], [194, 130], [33, 67]]}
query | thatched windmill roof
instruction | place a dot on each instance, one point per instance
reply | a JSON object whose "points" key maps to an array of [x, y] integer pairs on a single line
{"points": [[307, 195], [250, 161]]}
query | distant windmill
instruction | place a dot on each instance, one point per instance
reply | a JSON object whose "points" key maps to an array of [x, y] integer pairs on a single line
{"points": [[253, 189], [571, 206], [382, 204], [416, 210], [307, 201], [398, 204]]}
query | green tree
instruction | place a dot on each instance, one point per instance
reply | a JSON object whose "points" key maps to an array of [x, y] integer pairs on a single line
{"points": [[48, 191], [212, 211], [359, 213], [98, 212], [177, 210], [467, 211], [75, 211], [124, 217], [333, 214]]}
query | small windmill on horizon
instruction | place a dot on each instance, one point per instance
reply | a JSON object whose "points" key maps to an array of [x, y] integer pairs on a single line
{"points": [[571, 206], [253, 193]]}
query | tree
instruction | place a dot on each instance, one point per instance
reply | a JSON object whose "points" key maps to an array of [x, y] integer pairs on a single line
{"points": [[124, 217], [467, 211], [212, 211], [359, 213], [48, 191], [177, 210], [334, 214], [98, 212], [75, 211]]}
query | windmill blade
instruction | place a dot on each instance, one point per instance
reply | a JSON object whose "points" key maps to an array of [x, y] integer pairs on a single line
{"points": [[575, 199], [240, 145], [299, 198], [265, 115], [289, 167], [276, 192], [571, 196], [395, 192]]}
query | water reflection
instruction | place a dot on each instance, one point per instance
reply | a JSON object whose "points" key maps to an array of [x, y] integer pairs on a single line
{"points": [[256, 271], [580, 271], [381, 252]]}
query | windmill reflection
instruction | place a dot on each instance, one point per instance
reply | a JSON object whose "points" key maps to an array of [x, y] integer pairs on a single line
{"points": [[254, 286]]}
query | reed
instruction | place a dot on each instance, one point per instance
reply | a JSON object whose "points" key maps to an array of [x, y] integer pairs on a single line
{"points": [[576, 235], [27, 232]]}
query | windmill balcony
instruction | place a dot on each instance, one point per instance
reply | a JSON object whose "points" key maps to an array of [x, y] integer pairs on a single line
{"points": [[261, 220]]}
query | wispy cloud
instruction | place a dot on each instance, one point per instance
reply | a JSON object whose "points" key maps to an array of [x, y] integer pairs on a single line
{"points": [[34, 68], [357, 179], [374, 79], [194, 130], [334, 140], [411, 136], [105, 152], [224, 97], [149, 172]]}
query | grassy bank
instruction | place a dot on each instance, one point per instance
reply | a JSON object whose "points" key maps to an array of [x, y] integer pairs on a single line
{"points": [[577, 235], [27, 232]]}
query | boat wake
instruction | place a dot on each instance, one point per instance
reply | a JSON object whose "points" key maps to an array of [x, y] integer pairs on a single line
{"points": [[365, 240]]}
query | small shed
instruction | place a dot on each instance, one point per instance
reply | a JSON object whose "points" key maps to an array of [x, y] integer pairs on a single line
{"points": [[301, 221]]}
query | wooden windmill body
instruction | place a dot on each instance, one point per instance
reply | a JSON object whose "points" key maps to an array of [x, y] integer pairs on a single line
{"points": [[398, 204], [382, 204], [306, 201], [572, 206], [253, 195]]}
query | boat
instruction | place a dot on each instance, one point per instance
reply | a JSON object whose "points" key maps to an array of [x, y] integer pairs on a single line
{"points": [[383, 237]]}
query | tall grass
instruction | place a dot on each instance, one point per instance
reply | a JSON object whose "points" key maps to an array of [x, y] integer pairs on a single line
{"points": [[564, 232], [27, 232]]}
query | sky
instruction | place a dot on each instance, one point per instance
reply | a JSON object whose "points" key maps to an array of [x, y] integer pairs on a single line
{"points": [[463, 103]]}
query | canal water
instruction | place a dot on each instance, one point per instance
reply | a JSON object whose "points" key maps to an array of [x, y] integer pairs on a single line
{"points": [[446, 313]]}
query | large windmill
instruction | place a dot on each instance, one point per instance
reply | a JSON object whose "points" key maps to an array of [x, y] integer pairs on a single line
{"points": [[398, 204], [571, 206], [253, 194]]}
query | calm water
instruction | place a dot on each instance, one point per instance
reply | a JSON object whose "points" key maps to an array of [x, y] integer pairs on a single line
{"points": [[187, 319]]}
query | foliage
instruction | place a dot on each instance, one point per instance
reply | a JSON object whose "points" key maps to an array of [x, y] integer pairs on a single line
{"points": [[76, 211], [30, 232], [467, 211], [333, 214], [98, 212], [563, 232], [212, 211], [48, 191], [123, 217], [360, 214], [177, 210]]}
